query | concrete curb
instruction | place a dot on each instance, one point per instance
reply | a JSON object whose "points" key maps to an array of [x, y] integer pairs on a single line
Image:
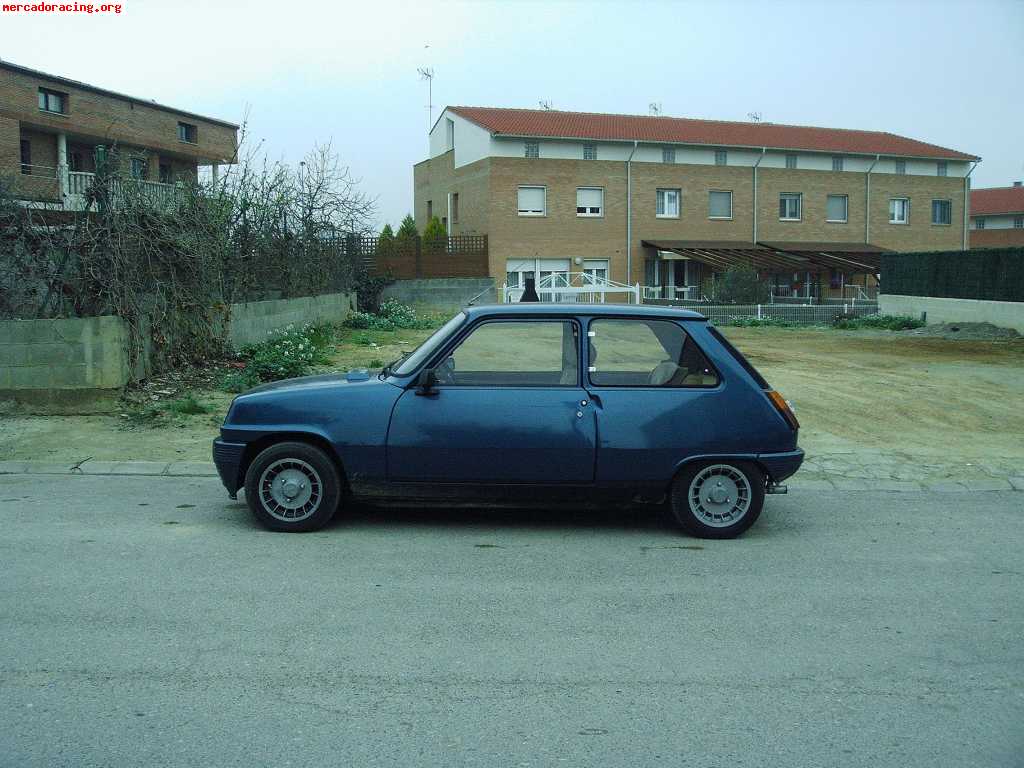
{"points": [[207, 469], [139, 468]]}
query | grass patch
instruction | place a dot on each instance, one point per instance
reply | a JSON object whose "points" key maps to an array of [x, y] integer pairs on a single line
{"points": [[881, 322], [754, 322]]}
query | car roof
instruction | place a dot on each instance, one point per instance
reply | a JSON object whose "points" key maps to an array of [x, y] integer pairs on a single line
{"points": [[572, 310]]}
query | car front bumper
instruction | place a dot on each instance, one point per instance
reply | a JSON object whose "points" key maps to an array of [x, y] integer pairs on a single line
{"points": [[781, 465], [228, 459]]}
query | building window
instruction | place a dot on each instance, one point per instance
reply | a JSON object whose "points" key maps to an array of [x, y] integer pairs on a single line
{"points": [[789, 206], [901, 167], [596, 271], [791, 161], [449, 133], [187, 133], [667, 205], [979, 222], [668, 155], [166, 175], [942, 168], [138, 168], [719, 205], [455, 207], [430, 210], [899, 210], [531, 149], [721, 157], [942, 212], [1018, 222], [589, 201], [590, 151], [837, 163], [75, 162], [26, 157], [532, 201], [53, 101], [837, 208]]}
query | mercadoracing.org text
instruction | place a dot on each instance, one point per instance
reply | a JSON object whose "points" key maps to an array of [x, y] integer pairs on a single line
{"points": [[61, 8]]}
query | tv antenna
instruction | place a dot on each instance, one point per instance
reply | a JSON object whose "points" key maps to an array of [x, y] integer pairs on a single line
{"points": [[654, 108], [546, 104], [755, 117], [427, 73]]}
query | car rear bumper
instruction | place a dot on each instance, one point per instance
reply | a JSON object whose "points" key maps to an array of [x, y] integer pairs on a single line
{"points": [[781, 465], [228, 459]]}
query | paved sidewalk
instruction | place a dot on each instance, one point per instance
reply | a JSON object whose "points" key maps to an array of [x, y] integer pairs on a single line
{"points": [[811, 477]]}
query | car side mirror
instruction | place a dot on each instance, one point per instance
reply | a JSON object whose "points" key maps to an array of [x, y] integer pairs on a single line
{"points": [[426, 382]]}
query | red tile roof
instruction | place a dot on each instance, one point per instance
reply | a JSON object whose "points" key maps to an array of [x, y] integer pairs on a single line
{"points": [[989, 202], [720, 133]]}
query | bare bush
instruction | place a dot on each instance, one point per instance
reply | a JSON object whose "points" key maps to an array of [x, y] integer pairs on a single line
{"points": [[171, 265]]}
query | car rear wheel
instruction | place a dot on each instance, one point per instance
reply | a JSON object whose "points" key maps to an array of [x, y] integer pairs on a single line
{"points": [[293, 487], [717, 499]]}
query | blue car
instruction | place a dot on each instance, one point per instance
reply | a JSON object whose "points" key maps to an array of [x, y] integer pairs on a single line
{"points": [[523, 404]]}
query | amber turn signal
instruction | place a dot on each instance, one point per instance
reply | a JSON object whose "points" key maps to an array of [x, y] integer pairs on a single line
{"points": [[783, 407]]}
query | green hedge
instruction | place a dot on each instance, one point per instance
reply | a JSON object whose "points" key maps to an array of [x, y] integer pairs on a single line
{"points": [[994, 274]]}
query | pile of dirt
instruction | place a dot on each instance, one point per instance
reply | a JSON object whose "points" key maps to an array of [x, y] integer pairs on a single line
{"points": [[965, 331]]}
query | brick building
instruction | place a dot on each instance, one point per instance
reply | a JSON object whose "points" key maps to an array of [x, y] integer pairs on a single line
{"points": [[52, 130], [666, 201], [997, 216]]}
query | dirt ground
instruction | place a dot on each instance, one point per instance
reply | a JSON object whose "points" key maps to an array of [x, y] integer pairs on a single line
{"points": [[872, 404]]}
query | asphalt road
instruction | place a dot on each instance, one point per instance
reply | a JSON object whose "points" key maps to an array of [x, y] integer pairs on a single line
{"points": [[147, 621]]}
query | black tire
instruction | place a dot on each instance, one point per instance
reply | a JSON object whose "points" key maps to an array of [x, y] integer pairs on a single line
{"points": [[703, 522], [292, 462]]}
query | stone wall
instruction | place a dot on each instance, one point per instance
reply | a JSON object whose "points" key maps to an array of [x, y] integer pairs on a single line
{"points": [[81, 364]]}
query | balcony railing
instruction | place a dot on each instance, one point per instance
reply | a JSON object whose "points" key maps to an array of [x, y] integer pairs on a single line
{"points": [[153, 192]]}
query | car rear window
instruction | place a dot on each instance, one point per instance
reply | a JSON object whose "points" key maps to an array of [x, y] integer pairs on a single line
{"points": [[738, 356], [646, 353]]}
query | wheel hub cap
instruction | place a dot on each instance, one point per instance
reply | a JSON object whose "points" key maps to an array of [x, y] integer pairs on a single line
{"points": [[719, 495], [290, 490]]}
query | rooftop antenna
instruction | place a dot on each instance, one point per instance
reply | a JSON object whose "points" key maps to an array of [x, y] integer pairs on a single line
{"points": [[546, 104], [427, 73], [755, 117], [654, 108]]}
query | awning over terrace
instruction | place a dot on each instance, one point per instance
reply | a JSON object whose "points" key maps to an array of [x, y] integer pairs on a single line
{"points": [[773, 256]]}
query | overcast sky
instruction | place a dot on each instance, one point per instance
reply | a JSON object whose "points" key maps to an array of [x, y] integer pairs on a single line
{"points": [[306, 72]]}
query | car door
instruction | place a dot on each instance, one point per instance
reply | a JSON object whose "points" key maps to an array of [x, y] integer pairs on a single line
{"points": [[654, 392], [508, 408]]}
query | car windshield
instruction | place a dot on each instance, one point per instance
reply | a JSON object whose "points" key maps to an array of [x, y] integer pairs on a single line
{"points": [[413, 360]]}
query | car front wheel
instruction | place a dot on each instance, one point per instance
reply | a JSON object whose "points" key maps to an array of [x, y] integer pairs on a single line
{"points": [[293, 487], [717, 499]]}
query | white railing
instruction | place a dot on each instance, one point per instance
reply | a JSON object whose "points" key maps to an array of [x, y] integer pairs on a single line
{"points": [[153, 192], [673, 292], [574, 287]]}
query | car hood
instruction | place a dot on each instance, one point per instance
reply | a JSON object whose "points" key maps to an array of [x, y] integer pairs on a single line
{"points": [[307, 383]]}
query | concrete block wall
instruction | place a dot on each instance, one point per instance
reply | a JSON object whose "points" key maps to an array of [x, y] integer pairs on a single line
{"points": [[442, 294], [1005, 314], [255, 320], [76, 363]]}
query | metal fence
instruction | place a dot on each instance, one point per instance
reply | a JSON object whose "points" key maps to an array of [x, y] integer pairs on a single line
{"points": [[804, 314]]}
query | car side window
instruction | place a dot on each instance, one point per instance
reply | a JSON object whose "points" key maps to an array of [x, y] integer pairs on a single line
{"points": [[508, 353], [646, 353]]}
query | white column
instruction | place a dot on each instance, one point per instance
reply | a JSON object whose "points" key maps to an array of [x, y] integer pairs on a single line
{"points": [[62, 163], [215, 171]]}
